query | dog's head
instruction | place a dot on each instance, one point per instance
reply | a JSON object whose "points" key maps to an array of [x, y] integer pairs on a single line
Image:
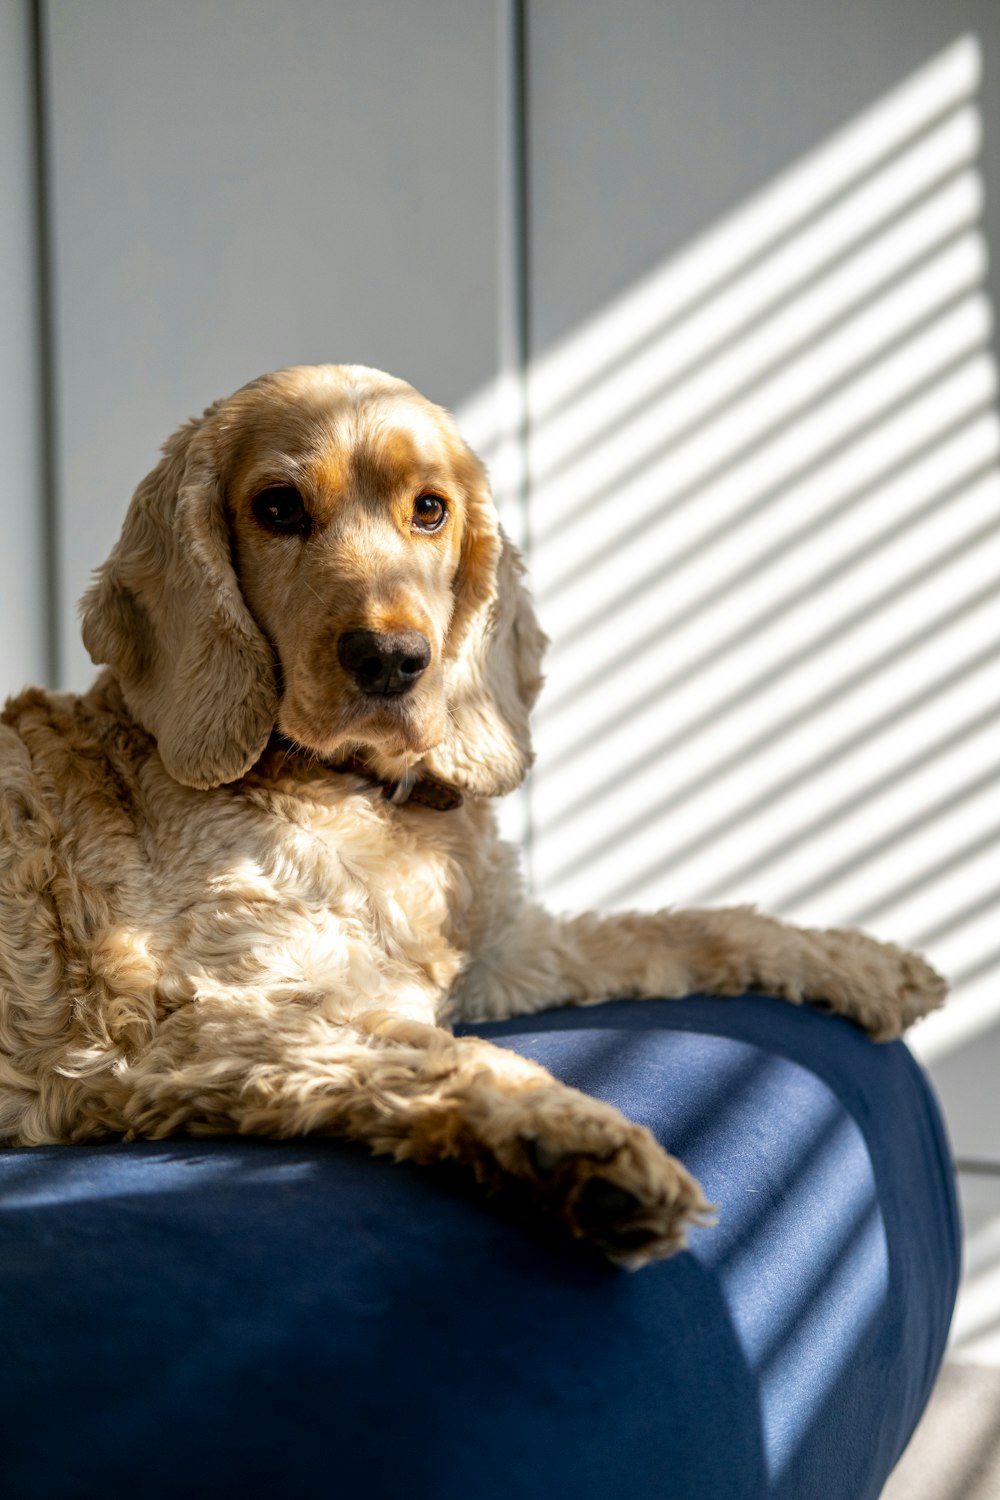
{"points": [[319, 554]]}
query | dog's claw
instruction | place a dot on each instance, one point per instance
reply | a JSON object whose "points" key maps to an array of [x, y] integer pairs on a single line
{"points": [[601, 1204]]}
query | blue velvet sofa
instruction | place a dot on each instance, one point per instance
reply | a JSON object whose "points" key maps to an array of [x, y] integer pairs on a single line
{"points": [[291, 1319]]}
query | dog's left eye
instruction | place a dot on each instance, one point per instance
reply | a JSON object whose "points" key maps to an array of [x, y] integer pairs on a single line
{"points": [[280, 509], [429, 512]]}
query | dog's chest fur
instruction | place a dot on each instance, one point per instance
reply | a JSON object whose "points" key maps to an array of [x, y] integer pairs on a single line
{"points": [[124, 895], [319, 886]]}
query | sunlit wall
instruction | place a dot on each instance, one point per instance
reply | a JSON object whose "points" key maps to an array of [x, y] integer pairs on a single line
{"points": [[763, 529], [708, 285]]}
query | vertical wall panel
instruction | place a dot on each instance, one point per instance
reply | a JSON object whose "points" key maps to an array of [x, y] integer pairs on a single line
{"points": [[22, 568], [765, 463], [251, 184], [763, 454]]}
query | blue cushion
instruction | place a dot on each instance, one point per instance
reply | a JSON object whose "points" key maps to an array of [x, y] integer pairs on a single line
{"points": [[298, 1318]]}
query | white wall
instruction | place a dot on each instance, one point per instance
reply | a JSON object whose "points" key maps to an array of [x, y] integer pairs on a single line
{"points": [[750, 268], [22, 504], [249, 184], [765, 504]]}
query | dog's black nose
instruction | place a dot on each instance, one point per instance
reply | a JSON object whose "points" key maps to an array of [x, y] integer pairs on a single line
{"points": [[384, 663]]}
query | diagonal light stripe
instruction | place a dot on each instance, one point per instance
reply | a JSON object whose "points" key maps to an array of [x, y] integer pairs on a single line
{"points": [[724, 574], [711, 503], [820, 704], [797, 649], [764, 527], [872, 137], [766, 293]]}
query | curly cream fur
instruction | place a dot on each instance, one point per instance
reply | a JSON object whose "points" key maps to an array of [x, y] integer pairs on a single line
{"points": [[206, 926]]}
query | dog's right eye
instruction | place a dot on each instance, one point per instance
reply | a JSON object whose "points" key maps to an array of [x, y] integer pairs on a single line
{"points": [[280, 509]]}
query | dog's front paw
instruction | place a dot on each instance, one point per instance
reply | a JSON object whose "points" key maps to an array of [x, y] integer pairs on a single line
{"points": [[611, 1184], [882, 988], [631, 1209]]}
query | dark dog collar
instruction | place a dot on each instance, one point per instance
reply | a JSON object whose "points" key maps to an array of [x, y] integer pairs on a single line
{"points": [[425, 791]]}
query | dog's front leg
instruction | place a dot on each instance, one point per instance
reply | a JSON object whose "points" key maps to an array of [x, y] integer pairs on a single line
{"points": [[537, 961], [414, 1091]]}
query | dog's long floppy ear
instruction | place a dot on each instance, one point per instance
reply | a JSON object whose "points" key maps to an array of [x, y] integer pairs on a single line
{"points": [[493, 663], [165, 613]]}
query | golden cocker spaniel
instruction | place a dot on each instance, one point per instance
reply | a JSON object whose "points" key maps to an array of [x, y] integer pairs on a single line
{"points": [[248, 878]]}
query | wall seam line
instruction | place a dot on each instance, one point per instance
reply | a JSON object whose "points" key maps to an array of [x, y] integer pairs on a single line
{"points": [[515, 301], [45, 334]]}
